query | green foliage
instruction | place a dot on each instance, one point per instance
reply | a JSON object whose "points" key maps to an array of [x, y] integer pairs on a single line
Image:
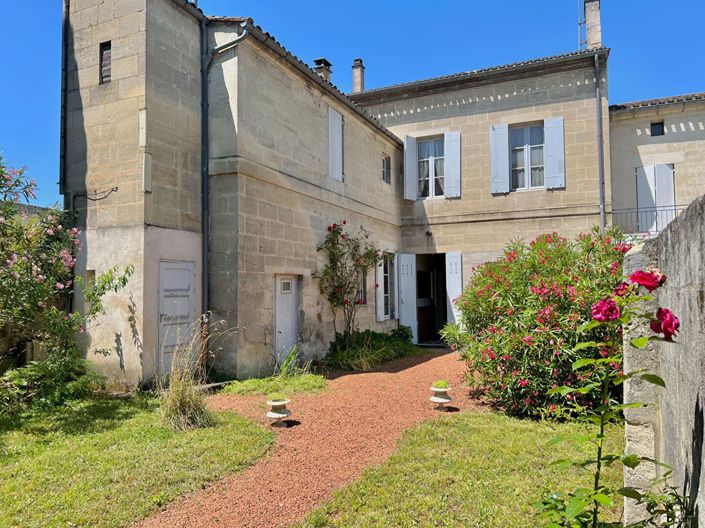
{"points": [[277, 397], [351, 256], [108, 462], [474, 470], [402, 332], [36, 279], [440, 384], [584, 506], [521, 315], [366, 350], [183, 405]]}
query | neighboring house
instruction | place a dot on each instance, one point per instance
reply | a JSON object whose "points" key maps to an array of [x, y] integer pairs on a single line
{"points": [[442, 172]]}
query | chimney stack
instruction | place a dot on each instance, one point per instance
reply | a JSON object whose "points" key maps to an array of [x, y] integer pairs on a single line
{"points": [[593, 24], [322, 68], [358, 85]]}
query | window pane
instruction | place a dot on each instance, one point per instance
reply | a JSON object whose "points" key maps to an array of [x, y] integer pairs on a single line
{"points": [[537, 177], [518, 179], [517, 137], [438, 148], [536, 156], [439, 167], [536, 135], [424, 148], [518, 158], [386, 305], [423, 188], [439, 186]]}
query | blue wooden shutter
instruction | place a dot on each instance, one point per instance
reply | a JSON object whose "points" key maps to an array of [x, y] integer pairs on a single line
{"points": [[452, 164], [499, 147], [554, 153], [411, 169], [335, 145], [454, 285]]}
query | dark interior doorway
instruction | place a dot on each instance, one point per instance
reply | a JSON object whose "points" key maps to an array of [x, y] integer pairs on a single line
{"points": [[431, 302]]}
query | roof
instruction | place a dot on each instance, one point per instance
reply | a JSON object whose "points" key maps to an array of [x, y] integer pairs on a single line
{"points": [[479, 76], [648, 103], [270, 42]]}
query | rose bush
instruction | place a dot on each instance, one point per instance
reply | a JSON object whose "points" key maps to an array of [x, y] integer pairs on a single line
{"points": [[520, 317]]}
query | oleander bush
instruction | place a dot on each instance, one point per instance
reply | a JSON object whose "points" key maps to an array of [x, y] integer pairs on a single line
{"points": [[520, 317]]}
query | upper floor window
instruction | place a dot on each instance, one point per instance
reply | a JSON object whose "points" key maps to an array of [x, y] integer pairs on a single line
{"points": [[657, 129], [527, 157], [387, 169], [336, 145], [431, 167], [105, 62]]}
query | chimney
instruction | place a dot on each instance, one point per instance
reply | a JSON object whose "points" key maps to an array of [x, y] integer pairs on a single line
{"points": [[593, 25], [358, 76], [322, 68]]}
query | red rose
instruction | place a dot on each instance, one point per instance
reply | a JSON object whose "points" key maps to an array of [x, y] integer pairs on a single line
{"points": [[666, 323], [648, 279], [605, 310], [622, 289]]}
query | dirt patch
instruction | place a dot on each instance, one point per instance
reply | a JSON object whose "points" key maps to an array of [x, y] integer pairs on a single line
{"points": [[354, 424]]}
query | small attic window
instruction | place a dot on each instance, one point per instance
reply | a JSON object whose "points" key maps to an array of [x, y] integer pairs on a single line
{"points": [[105, 62], [657, 129]]}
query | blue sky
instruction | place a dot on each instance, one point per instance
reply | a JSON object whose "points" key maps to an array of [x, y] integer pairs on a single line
{"points": [[657, 50]]}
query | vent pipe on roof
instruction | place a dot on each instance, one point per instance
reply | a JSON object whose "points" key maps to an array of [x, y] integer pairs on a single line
{"points": [[323, 68], [593, 24], [358, 80]]}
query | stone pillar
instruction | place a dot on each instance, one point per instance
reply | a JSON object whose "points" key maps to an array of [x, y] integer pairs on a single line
{"points": [[358, 81], [593, 24]]}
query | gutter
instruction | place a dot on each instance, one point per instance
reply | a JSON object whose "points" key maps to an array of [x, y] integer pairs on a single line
{"points": [[600, 144]]}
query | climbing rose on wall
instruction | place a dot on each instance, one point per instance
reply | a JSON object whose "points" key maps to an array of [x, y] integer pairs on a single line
{"points": [[666, 323], [650, 279], [605, 310]]}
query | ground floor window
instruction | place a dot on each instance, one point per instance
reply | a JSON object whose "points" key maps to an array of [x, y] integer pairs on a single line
{"points": [[385, 290]]}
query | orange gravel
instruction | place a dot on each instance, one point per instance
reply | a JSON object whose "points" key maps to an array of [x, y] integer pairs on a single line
{"points": [[335, 436]]}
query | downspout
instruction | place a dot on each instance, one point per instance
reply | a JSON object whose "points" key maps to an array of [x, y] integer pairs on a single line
{"points": [[600, 144], [68, 202], [207, 58]]}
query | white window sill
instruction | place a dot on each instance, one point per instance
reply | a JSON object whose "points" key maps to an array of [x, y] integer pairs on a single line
{"points": [[529, 189], [423, 199]]}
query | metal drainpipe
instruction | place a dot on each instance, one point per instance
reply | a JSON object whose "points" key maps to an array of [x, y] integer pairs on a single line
{"points": [[207, 57], [68, 202], [600, 145]]}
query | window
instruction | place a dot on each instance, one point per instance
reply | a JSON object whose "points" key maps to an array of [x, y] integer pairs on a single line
{"points": [[385, 290], [362, 290], [526, 145], [105, 62], [286, 286], [387, 169], [431, 167], [657, 129]]}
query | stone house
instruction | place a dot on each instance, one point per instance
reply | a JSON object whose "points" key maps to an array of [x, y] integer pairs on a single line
{"points": [[222, 211]]}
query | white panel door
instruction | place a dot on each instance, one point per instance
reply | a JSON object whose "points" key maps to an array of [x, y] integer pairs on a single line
{"points": [[407, 293], [454, 284], [177, 309], [665, 196], [286, 315], [646, 199]]}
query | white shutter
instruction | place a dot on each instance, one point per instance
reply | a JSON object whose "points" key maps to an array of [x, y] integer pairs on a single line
{"points": [[554, 153], [407, 293], [411, 169], [499, 147], [395, 293], [452, 164], [335, 145], [665, 195], [646, 199], [454, 284], [379, 292]]}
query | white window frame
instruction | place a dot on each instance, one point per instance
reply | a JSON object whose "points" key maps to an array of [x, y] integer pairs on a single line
{"points": [[362, 290], [386, 169], [526, 148], [431, 168]]}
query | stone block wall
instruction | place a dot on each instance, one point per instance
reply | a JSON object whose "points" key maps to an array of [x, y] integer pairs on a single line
{"points": [[670, 427]]}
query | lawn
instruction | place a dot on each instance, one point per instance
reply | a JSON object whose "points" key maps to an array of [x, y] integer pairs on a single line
{"points": [[475, 470], [106, 462], [303, 383]]}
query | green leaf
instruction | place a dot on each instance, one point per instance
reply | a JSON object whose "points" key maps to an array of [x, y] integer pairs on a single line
{"points": [[653, 378], [630, 493], [602, 499], [588, 326], [631, 461], [575, 507], [561, 464], [639, 342], [586, 344], [582, 362]]}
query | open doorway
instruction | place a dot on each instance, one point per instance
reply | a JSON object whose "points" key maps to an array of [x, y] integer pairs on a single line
{"points": [[431, 297]]}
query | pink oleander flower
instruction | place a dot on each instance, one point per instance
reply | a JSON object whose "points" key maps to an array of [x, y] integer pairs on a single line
{"points": [[605, 310], [666, 323], [523, 383], [650, 279]]}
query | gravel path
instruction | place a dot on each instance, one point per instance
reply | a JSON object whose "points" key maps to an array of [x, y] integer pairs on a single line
{"points": [[352, 425]]}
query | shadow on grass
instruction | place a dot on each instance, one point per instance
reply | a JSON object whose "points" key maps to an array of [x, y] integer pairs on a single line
{"points": [[91, 415]]}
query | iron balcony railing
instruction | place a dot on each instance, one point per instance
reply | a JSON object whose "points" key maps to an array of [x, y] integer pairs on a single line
{"points": [[645, 221]]}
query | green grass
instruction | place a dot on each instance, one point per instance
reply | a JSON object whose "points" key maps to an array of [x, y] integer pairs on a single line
{"points": [[471, 470], [311, 383], [106, 462]]}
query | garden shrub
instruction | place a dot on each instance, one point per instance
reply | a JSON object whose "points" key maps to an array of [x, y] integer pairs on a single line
{"points": [[520, 317], [402, 332], [364, 350]]}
